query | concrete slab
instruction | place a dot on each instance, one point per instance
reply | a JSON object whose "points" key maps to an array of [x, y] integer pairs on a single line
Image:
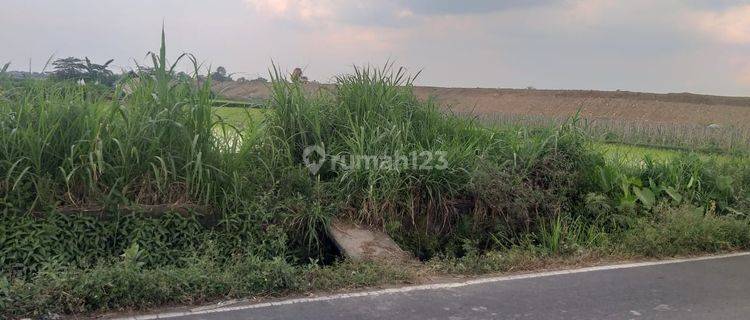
{"points": [[361, 243]]}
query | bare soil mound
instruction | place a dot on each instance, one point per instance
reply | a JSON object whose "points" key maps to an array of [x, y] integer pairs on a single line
{"points": [[683, 108]]}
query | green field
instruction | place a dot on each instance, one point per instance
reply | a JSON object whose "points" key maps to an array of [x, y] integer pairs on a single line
{"points": [[241, 117], [235, 103], [636, 153]]}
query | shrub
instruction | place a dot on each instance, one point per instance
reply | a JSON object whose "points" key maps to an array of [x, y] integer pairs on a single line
{"points": [[685, 230], [513, 176]]}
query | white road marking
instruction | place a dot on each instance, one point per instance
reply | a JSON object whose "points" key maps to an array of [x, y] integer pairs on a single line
{"points": [[428, 287]]}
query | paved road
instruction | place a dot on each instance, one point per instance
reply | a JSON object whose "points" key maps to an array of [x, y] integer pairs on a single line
{"points": [[703, 289]]}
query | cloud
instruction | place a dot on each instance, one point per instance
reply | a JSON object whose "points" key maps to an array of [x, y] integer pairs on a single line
{"points": [[304, 10], [665, 45], [385, 13], [451, 7], [731, 25], [327, 12], [588, 12]]}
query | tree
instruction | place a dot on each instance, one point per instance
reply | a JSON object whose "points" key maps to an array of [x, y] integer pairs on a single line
{"points": [[75, 69], [297, 76], [69, 68], [221, 75]]}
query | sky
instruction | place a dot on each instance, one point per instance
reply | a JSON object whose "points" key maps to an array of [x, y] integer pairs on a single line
{"points": [[638, 45]]}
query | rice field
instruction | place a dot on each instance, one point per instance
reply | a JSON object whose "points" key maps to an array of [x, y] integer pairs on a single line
{"points": [[241, 117]]}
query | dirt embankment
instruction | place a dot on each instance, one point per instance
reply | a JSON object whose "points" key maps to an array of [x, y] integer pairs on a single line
{"points": [[684, 108], [253, 90]]}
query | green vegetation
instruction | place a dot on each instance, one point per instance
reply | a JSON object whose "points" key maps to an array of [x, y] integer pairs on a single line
{"points": [[633, 154], [221, 75], [494, 185], [240, 117], [726, 140], [626, 152], [670, 231], [75, 69], [680, 137], [126, 284], [149, 194]]}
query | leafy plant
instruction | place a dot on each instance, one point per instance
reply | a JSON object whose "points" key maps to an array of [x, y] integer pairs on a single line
{"points": [[645, 196], [133, 255]]}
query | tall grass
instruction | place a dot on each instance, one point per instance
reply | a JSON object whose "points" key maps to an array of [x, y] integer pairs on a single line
{"points": [[62, 147], [491, 176], [501, 182], [84, 173], [154, 146]]}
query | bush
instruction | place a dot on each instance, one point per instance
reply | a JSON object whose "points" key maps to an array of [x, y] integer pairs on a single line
{"points": [[685, 230], [507, 179]]}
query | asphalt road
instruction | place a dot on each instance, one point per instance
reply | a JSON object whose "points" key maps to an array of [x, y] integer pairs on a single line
{"points": [[716, 288]]}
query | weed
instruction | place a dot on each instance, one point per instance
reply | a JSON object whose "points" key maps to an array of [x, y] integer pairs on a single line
{"points": [[685, 230]]}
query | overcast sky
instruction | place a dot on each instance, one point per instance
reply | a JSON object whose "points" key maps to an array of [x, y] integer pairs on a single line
{"points": [[643, 45]]}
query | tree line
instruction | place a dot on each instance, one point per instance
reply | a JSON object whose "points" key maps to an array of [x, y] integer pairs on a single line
{"points": [[85, 71]]}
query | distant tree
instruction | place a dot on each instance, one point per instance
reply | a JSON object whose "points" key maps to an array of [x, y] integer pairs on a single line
{"points": [[69, 68], [297, 76], [75, 69], [256, 80], [221, 75], [182, 76], [99, 72]]}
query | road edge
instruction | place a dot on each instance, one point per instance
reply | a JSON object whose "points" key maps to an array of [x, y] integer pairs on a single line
{"points": [[424, 287]]}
